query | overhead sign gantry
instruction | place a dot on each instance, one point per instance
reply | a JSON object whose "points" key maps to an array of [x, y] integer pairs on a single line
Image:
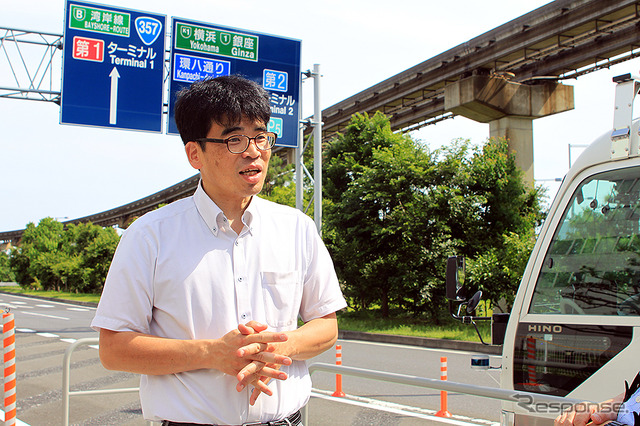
{"points": [[113, 68]]}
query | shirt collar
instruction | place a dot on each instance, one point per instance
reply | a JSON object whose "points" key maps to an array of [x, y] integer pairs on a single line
{"points": [[213, 215], [250, 214], [208, 210]]}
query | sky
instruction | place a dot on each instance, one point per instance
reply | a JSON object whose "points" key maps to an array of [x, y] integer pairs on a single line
{"points": [[65, 172]]}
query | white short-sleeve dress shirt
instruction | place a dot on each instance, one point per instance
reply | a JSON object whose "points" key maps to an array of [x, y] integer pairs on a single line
{"points": [[181, 272], [629, 412]]}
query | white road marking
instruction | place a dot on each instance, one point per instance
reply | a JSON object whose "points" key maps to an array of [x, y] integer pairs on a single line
{"points": [[78, 309], [45, 306], [18, 421], [53, 302], [25, 330], [9, 306], [19, 308], [45, 315], [405, 410], [47, 335], [68, 340]]}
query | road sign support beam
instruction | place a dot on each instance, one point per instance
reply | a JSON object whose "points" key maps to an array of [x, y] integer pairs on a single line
{"points": [[29, 57], [316, 124]]}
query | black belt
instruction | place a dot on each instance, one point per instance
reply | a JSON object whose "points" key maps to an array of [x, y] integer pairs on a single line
{"points": [[293, 420]]}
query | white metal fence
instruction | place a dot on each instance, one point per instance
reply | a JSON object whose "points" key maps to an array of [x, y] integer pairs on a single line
{"points": [[423, 382]]}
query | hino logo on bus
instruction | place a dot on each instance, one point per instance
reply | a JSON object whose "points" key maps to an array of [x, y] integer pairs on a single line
{"points": [[540, 328]]}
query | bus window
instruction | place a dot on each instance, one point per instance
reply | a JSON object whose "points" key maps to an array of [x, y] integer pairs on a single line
{"points": [[592, 266], [557, 358]]}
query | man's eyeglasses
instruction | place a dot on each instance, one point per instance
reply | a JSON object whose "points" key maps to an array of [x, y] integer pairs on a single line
{"points": [[237, 144]]}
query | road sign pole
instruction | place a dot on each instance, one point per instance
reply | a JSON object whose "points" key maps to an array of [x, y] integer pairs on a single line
{"points": [[317, 150], [299, 168]]}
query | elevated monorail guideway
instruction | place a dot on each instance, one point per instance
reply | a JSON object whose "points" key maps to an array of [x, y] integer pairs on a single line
{"points": [[506, 77], [561, 40]]}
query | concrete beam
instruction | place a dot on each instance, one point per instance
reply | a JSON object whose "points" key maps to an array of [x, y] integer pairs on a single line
{"points": [[509, 108], [484, 98]]}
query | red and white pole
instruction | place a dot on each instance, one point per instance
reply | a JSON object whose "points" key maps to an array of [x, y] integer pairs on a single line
{"points": [[9, 351], [338, 391], [531, 355], [444, 412]]}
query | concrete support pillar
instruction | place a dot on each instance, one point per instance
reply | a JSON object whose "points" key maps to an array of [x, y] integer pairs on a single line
{"points": [[519, 133], [509, 108]]}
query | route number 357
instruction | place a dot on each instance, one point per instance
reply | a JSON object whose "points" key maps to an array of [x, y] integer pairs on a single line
{"points": [[148, 29]]}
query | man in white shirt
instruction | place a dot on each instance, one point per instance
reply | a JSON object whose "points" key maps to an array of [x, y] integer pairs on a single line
{"points": [[203, 295]]}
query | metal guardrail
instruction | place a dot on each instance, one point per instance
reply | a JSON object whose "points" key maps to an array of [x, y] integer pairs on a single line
{"points": [[529, 398], [66, 376], [423, 382]]}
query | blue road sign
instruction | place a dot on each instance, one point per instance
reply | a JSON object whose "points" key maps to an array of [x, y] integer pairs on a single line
{"points": [[202, 50], [113, 67], [188, 68]]}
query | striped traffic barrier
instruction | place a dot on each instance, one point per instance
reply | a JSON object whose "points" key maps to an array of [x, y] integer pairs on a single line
{"points": [[9, 350], [338, 391], [444, 412]]}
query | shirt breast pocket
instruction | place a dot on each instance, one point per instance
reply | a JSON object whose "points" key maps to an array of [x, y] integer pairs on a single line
{"points": [[281, 298]]}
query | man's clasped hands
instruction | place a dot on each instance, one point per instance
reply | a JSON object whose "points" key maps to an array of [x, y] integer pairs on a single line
{"points": [[252, 359]]}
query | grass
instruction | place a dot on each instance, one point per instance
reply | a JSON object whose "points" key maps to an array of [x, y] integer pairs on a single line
{"points": [[63, 295], [369, 321]]}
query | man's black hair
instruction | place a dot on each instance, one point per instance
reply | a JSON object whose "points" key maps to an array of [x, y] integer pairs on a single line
{"points": [[224, 100]]}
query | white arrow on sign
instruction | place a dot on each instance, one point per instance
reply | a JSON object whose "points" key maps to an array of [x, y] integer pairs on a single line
{"points": [[113, 103]]}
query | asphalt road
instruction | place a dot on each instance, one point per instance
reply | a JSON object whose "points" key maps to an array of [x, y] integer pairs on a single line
{"points": [[45, 329]]}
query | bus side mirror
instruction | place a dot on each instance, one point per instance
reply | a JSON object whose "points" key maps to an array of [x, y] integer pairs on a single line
{"points": [[454, 281], [455, 277], [472, 304]]}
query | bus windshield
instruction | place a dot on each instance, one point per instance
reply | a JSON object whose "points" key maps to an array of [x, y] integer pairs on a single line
{"points": [[592, 266]]}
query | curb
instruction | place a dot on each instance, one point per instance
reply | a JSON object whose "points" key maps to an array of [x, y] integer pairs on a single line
{"points": [[424, 342], [52, 299]]}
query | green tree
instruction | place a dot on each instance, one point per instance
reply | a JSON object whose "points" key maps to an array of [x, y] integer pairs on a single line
{"points": [[6, 274], [498, 231], [93, 247], [280, 183], [279, 178], [396, 211], [97, 258], [35, 259], [72, 259], [373, 181], [498, 270]]}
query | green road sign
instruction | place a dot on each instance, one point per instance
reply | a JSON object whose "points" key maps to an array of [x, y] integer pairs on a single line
{"points": [[217, 42], [99, 20]]}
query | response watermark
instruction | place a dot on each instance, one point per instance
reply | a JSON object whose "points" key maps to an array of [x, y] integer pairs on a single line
{"points": [[527, 402]]}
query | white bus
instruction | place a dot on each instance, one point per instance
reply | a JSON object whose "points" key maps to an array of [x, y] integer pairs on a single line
{"points": [[574, 329]]}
